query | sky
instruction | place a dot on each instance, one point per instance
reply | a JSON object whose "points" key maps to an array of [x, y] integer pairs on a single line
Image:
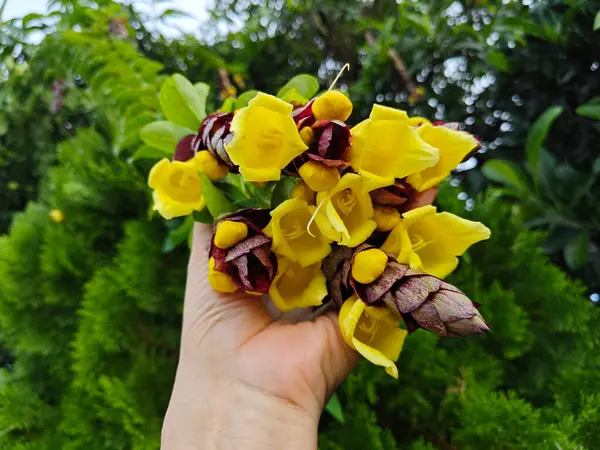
{"points": [[195, 8]]}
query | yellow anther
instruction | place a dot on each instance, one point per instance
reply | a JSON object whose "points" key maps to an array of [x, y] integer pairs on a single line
{"points": [[368, 265], [332, 105], [385, 217], [303, 192], [210, 166], [230, 233], [219, 281], [318, 177]]}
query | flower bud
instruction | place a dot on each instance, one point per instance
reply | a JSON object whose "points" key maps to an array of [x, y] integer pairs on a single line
{"points": [[219, 281], [385, 217], [332, 105], [368, 265], [210, 166], [230, 233], [319, 177], [307, 135], [302, 192]]}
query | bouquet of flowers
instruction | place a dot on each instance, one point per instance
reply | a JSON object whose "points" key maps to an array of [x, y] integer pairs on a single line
{"points": [[311, 211]]}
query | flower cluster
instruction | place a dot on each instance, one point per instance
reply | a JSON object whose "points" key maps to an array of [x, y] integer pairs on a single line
{"points": [[357, 230]]}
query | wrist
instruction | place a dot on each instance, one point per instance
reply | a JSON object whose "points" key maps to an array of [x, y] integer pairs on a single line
{"points": [[231, 414]]}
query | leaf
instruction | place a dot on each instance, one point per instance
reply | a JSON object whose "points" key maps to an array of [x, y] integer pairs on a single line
{"points": [[305, 84], [216, 201], [181, 103], [507, 173], [537, 136], [546, 174], [283, 191], [30, 18], [590, 109], [147, 152], [176, 237], [228, 105], [597, 21], [173, 13], [203, 217], [202, 89], [163, 135], [576, 252], [498, 60], [244, 98], [334, 407]]}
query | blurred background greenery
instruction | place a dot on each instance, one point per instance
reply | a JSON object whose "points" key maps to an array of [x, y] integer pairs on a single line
{"points": [[91, 288]]}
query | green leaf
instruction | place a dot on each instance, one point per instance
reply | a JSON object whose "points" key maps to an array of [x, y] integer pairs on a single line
{"points": [[294, 96], [147, 152], [576, 252], [590, 109], [537, 136], [173, 13], [334, 407], [597, 21], [498, 60], [216, 201], [305, 84], [244, 98], [178, 236], [202, 89], [283, 190], [505, 172], [163, 135], [228, 105], [181, 103], [203, 216], [30, 18], [546, 172]]}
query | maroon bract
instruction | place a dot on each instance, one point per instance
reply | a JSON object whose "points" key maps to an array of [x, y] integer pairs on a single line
{"points": [[185, 148], [250, 263], [214, 134]]}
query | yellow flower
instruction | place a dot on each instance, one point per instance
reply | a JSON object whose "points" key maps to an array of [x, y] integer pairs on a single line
{"points": [[385, 217], [374, 332], [230, 233], [430, 241], [295, 286], [303, 192], [265, 138], [176, 187], [453, 147], [210, 166], [289, 230], [345, 213], [57, 215], [385, 147]]}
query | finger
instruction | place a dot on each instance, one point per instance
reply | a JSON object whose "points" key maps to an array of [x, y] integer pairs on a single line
{"points": [[232, 316]]}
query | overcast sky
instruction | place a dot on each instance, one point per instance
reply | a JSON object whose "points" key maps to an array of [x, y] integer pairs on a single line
{"points": [[196, 8]]}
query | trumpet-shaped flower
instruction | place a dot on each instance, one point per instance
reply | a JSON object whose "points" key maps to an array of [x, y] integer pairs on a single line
{"points": [[265, 138], [345, 213], [295, 286], [374, 332], [431, 241], [176, 187], [453, 146], [289, 229], [385, 147]]}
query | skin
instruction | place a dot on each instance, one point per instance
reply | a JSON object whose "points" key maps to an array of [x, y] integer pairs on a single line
{"points": [[244, 379]]}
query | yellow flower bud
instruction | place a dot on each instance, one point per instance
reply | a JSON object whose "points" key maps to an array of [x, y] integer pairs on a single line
{"points": [[319, 177], [332, 105], [219, 281], [230, 233], [385, 217], [303, 192], [57, 215], [368, 265], [307, 135], [210, 166]]}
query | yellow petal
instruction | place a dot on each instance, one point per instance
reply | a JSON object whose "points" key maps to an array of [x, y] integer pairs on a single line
{"points": [[349, 316], [380, 112], [418, 121], [368, 265], [332, 105], [415, 215], [307, 135], [385, 217], [453, 147], [219, 281], [260, 175], [271, 102], [230, 233], [157, 174], [169, 208], [297, 287], [302, 192], [209, 165], [319, 177], [435, 262]]}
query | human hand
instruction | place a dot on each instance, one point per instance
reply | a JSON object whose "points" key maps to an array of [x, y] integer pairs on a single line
{"points": [[245, 380]]}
